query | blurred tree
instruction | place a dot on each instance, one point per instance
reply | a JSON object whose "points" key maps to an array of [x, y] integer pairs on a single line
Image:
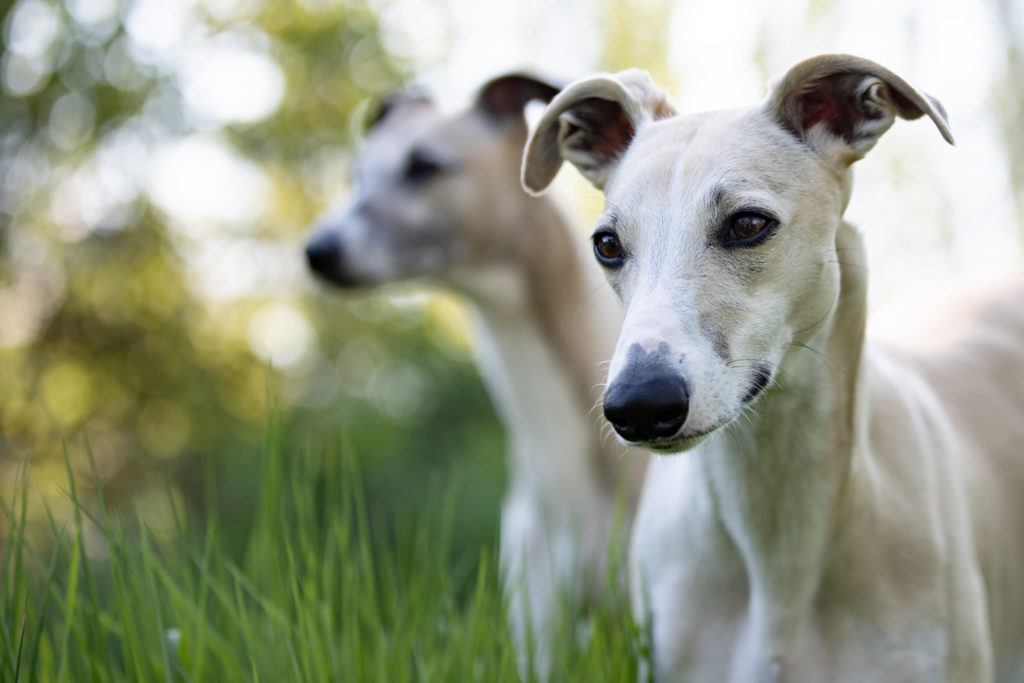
{"points": [[624, 22], [158, 165], [1009, 16]]}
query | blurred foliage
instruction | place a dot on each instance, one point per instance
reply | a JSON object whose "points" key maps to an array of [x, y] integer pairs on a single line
{"points": [[137, 310], [625, 20], [115, 324], [1010, 15]]}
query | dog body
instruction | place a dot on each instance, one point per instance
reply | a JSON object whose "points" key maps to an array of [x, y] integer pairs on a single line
{"points": [[847, 512], [895, 562], [438, 197]]}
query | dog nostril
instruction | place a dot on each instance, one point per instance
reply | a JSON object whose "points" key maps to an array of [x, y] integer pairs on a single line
{"points": [[668, 420], [621, 426]]}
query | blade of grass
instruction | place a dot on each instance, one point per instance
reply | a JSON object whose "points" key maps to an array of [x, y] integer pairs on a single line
{"points": [[130, 632], [70, 603], [95, 644], [199, 652], [41, 620], [21, 640], [147, 567], [13, 555], [20, 584]]}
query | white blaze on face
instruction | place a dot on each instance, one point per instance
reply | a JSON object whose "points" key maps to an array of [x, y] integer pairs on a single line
{"points": [[648, 325]]}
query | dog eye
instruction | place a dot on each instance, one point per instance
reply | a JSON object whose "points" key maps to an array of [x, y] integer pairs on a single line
{"points": [[421, 168], [747, 229], [608, 249]]}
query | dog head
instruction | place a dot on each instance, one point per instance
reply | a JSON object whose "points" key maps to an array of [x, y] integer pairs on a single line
{"points": [[433, 192], [719, 229]]}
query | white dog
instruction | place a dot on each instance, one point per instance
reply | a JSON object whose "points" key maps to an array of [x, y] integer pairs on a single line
{"points": [[848, 512], [438, 197]]}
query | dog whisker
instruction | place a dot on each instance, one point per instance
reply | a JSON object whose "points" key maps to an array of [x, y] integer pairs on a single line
{"points": [[819, 321], [816, 352]]}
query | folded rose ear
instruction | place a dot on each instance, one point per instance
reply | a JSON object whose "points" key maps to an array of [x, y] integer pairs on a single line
{"points": [[840, 105], [504, 98], [591, 124]]}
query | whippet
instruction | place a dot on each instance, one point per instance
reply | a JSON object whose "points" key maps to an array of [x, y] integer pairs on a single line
{"points": [[848, 512], [438, 197]]}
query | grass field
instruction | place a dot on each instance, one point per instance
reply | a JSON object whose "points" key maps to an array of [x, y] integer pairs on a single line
{"points": [[321, 592]]}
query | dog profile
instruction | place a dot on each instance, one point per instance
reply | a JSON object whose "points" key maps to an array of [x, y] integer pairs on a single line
{"points": [[847, 511], [438, 197]]}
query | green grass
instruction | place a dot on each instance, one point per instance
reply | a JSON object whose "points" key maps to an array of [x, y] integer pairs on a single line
{"points": [[320, 593]]}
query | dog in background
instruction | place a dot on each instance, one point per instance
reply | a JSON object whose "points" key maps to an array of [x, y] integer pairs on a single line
{"points": [[438, 197], [848, 511]]}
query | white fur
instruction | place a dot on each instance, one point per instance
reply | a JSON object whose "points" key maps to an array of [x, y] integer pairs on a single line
{"points": [[859, 520], [556, 520]]}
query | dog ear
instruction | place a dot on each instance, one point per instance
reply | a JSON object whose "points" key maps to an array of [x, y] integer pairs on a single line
{"points": [[504, 98], [591, 123], [389, 105], [840, 105]]}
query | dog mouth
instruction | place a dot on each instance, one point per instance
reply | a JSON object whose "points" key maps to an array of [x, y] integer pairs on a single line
{"points": [[680, 442]]}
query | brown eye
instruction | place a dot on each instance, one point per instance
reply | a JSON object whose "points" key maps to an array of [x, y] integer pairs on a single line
{"points": [[749, 228], [608, 249]]}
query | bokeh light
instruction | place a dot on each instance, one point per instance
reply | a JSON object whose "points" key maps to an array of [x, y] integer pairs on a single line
{"points": [[161, 161]]}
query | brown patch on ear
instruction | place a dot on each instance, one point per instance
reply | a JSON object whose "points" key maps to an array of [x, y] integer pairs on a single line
{"points": [[835, 103], [505, 97], [590, 124], [600, 126], [619, 135], [853, 99], [821, 104]]}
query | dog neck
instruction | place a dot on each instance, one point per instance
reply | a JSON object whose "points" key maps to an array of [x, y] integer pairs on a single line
{"points": [[778, 480], [581, 318], [542, 313]]}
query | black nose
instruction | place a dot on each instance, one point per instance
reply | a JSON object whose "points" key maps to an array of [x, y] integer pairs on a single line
{"points": [[646, 405], [324, 256]]}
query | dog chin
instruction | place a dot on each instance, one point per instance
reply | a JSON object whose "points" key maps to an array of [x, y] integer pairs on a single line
{"points": [[679, 443], [675, 444]]}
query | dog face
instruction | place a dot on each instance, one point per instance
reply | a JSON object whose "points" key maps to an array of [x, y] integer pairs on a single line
{"points": [[719, 229], [433, 192], [726, 259]]}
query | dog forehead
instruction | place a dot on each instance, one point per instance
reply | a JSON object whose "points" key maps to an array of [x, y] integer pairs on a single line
{"points": [[690, 162], [465, 138], [392, 140], [470, 135], [653, 154]]}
